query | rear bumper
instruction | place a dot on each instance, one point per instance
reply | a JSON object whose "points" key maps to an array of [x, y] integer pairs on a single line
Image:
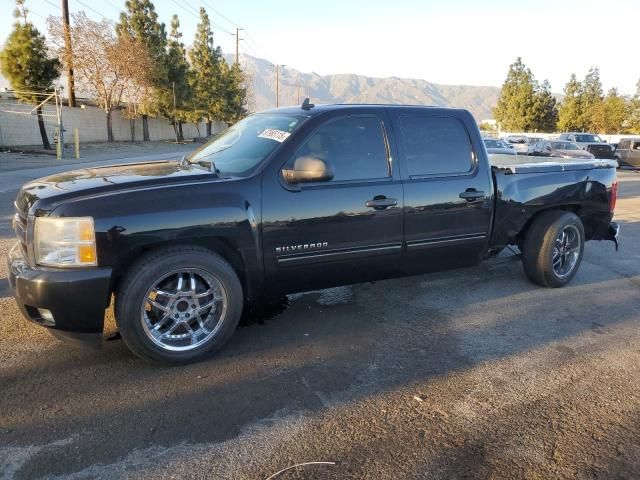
{"points": [[613, 234], [76, 299]]}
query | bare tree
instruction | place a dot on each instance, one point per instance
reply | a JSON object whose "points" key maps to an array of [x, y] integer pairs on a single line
{"points": [[249, 74], [108, 69]]}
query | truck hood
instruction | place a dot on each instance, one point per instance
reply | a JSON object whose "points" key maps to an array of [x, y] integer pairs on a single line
{"points": [[89, 181], [504, 151], [586, 144], [575, 153]]}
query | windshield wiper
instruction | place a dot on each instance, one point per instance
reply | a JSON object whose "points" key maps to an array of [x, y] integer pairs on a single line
{"points": [[209, 165]]}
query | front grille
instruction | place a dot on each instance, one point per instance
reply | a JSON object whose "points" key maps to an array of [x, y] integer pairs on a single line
{"points": [[600, 151], [20, 226]]}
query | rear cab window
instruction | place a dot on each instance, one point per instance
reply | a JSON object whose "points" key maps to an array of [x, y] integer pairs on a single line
{"points": [[435, 145]]}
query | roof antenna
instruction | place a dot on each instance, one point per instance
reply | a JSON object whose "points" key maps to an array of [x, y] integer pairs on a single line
{"points": [[307, 105]]}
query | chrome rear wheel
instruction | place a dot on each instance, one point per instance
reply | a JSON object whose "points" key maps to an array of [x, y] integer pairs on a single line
{"points": [[566, 251]]}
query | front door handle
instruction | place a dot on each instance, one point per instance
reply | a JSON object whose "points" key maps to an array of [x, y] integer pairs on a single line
{"points": [[472, 194], [381, 202]]}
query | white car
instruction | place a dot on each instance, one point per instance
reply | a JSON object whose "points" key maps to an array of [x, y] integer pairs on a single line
{"points": [[495, 145]]}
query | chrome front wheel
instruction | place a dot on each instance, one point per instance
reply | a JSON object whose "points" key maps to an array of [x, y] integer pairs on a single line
{"points": [[183, 309], [178, 304]]}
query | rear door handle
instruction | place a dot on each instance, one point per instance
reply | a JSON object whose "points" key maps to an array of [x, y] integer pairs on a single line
{"points": [[380, 203], [471, 195]]}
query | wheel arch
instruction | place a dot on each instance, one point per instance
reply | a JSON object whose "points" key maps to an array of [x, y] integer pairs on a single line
{"points": [[222, 246], [573, 208]]}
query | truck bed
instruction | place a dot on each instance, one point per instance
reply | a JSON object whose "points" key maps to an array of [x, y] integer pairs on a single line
{"points": [[527, 185], [515, 164]]}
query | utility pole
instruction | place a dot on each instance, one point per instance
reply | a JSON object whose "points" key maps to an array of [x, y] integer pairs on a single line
{"points": [[68, 54], [238, 44], [298, 102], [278, 85], [175, 123]]}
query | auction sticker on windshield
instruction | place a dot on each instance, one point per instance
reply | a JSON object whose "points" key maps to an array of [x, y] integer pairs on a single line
{"points": [[273, 134]]}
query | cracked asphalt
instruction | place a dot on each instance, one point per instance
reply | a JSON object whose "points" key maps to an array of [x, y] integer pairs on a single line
{"points": [[465, 374]]}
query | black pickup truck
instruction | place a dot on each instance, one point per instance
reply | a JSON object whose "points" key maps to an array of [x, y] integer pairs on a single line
{"points": [[285, 201]]}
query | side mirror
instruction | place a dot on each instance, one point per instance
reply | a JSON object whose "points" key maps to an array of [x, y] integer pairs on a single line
{"points": [[308, 169]]}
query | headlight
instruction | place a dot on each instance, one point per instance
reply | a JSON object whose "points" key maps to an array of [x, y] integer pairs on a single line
{"points": [[65, 242]]}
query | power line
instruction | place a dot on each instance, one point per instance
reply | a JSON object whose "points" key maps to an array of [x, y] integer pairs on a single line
{"points": [[92, 9], [251, 50], [187, 8], [52, 4], [190, 10], [221, 15], [112, 5], [36, 14], [265, 53], [222, 28]]}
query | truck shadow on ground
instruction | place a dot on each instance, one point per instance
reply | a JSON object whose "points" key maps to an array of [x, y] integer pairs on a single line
{"points": [[367, 340]]}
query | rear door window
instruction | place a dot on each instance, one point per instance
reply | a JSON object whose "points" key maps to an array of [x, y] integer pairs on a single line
{"points": [[435, 145]]}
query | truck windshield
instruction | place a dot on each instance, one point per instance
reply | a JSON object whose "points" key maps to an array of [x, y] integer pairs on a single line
{"points": [[588, 139], [564, 146], [240, 148]]}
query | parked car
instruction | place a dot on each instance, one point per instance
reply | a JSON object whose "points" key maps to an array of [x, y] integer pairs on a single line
{"points": [[284, 201], [590, 142], [628, 152], [498, 146], [559, 149], [521, 143]]}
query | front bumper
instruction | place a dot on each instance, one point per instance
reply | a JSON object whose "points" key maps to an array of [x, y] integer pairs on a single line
{"points": [[76, 299]]}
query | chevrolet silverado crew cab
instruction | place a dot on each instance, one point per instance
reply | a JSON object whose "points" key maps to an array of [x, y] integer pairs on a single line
{"points": [[285, 201]]}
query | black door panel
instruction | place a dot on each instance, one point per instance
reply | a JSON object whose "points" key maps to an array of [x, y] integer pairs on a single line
{"points": [[447, 194], [341, 231]]}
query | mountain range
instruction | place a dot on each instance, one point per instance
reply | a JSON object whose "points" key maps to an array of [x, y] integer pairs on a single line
{"points": [[353, 88]]}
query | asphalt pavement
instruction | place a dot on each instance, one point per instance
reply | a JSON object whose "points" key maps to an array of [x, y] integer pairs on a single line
{"points": [[472, 373]]}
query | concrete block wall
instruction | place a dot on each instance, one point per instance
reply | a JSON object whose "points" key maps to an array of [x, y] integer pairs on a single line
{"points": [[22, 129]]}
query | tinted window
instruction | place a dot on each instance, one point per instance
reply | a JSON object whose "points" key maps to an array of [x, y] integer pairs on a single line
{"points": [[587, 138], [244, 145], [435, 145], [353, 146], [564, 146]]}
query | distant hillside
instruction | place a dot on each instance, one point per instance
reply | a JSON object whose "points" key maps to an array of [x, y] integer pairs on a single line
{"points": [[352, 88]]}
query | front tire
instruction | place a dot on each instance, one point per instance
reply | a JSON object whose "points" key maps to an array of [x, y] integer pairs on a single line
{"points": [[553, 248], [178, 305]]}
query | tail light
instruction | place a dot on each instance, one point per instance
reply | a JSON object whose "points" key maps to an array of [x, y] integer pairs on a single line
{"points": [[614, 196]]}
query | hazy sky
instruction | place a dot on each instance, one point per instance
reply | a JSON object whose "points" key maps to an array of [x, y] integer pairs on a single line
{"points": [[453, 41]]}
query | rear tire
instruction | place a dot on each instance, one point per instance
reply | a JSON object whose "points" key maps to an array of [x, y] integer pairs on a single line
{"points": [[620, 164], [178, 304], [553, 248]]}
